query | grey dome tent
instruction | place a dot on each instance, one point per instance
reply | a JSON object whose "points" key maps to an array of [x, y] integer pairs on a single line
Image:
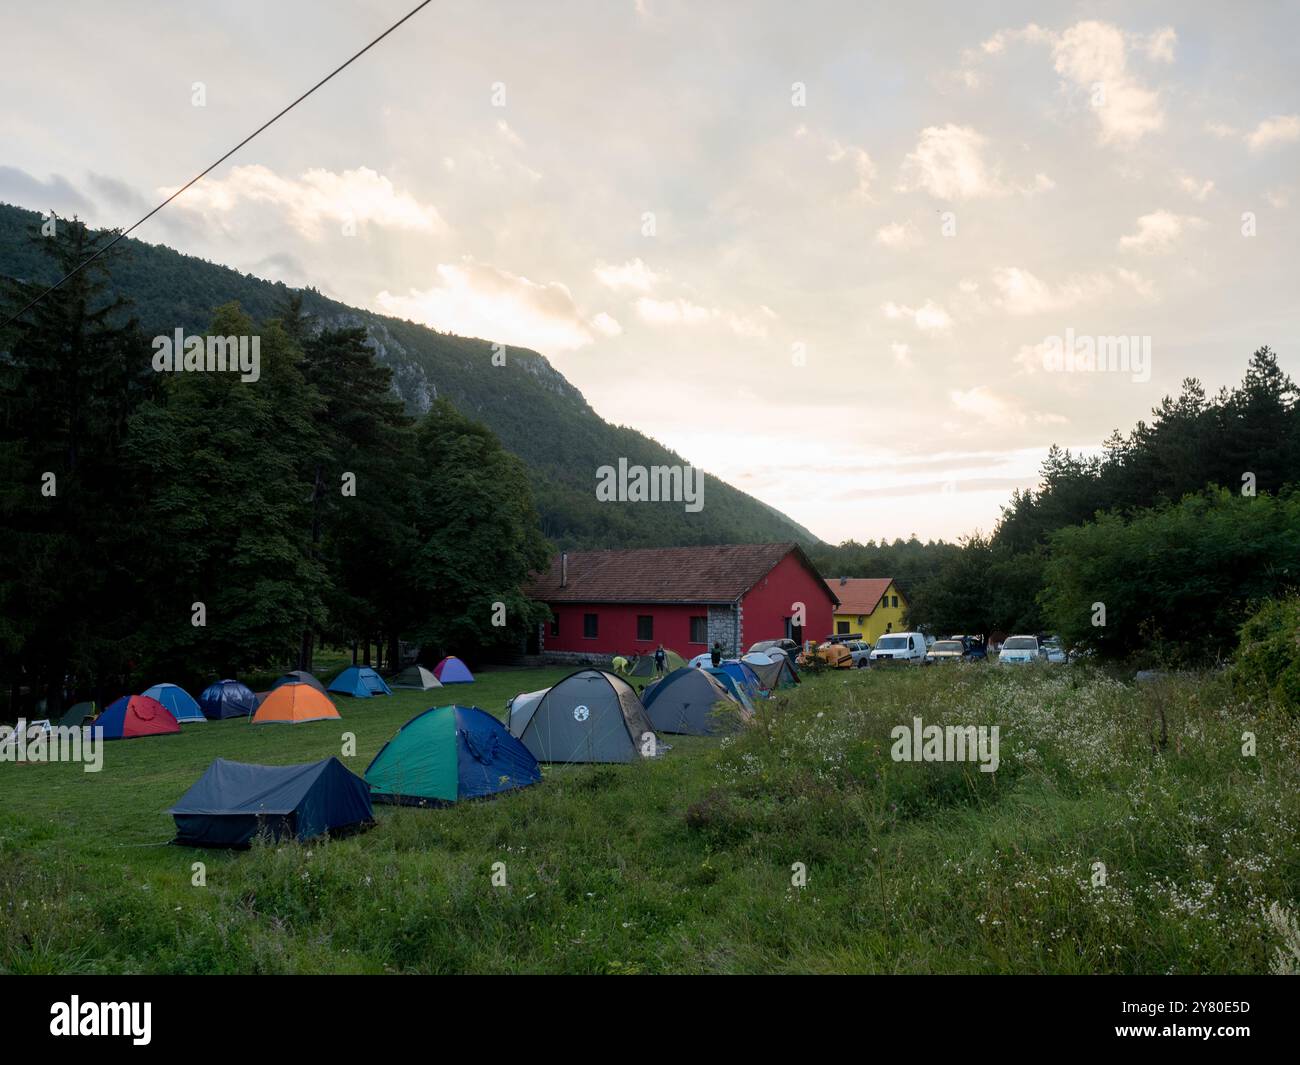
{"points": [[692, 702], [298, 676], [415, 677], [774, 671], [589, 716]]}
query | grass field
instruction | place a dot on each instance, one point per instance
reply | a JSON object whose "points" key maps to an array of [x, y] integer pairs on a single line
{"points": [[684, 864]]}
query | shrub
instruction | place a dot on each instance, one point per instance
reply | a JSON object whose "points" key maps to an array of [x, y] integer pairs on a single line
{"points": [[1267, 664]]}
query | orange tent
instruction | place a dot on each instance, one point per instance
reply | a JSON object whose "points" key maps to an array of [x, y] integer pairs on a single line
{"points": [[292, 704]]}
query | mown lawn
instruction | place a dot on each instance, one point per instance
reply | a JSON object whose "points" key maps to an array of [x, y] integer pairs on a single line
{"points": [[684, 864]]}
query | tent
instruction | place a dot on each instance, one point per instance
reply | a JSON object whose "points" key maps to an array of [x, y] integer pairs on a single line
{"points": [[299, 676], [644, 666], [78, 714], [416, 677], [133, 716], [447, 754], [521, 707], [703, 661], [743, 674], [234, 801], [227, 698], [773, 671], [589, 716], [292, 704], [451, 670], [359, 681], [692, 702], [735, 690], [180, 702]]}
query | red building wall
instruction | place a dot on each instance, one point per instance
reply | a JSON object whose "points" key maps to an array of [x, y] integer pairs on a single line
{"points": [[617, 628], [771, 601]]}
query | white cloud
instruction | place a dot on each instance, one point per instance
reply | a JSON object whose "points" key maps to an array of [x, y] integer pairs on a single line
{"points": [[864, 169], [902, 354], [1195, 188], [1158, 231], [1221, 129], [983, 403], [1021, 293], [479, 300], [674, 312], [1160, 45], [316, 198], [633, 274], [928, 318], [1278, 198], [898, 235], [1280, 129], [1093, 55], [949, 164]]}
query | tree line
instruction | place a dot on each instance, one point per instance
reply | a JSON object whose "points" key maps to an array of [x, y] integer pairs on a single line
{"points": [[191, 525]]}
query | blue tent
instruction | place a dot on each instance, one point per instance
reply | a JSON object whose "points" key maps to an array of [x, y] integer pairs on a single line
{"points": [[448, 754], [180, 702], [743, 674], [729, 682], [227, 698], [360, 681], [234, 801]]}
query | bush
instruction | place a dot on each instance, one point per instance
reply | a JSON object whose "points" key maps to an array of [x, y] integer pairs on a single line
{"points": [[1267, 664]]}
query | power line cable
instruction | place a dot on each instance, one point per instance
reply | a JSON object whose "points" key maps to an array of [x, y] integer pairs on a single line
{"points": [[269, 122]]}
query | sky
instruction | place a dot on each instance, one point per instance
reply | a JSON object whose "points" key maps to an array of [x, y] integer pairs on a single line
{"points": [[841, 255]]}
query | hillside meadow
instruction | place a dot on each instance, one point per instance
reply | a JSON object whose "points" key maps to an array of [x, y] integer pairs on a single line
{"points": [[1094, 848]]}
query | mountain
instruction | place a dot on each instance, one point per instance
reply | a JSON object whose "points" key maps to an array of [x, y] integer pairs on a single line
{"points": [[535, 411]]}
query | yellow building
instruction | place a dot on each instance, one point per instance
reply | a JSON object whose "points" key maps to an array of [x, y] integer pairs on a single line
{"points": [[870, 606]]}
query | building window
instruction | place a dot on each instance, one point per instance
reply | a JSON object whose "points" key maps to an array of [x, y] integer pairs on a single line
{"points": [[861, 619], [893, 601], [590, 626], [555, 626], [841, 628], [645, 627], [699, 630]]}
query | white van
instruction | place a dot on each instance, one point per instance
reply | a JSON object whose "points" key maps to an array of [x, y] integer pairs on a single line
{"points": [[899, 647]]}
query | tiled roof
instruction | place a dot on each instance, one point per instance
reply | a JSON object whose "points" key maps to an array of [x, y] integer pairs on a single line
{"points": [[858, 595], [715, 574]]}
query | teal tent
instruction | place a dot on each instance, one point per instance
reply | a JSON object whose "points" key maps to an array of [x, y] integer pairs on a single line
{"points": [[359, 681]]}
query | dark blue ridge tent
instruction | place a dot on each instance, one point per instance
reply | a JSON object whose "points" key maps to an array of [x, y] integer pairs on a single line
{"points": [[227, 698], [692, 702], [447, 754], [736, 691], [235, 801], [743, 674], [361, 682]]}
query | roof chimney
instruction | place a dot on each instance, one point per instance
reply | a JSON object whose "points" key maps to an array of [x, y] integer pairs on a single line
{"points": [[564, 568]]}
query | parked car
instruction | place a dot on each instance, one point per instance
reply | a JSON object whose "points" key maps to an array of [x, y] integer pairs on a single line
{"points": [[899, 647], [1056, 654], [946, 651], [790, 647], [834, 655], [859, 651], [976, 648], [1017, 650]]}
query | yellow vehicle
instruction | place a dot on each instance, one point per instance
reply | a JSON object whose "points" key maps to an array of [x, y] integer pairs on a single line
{"points": [[833, 655]]}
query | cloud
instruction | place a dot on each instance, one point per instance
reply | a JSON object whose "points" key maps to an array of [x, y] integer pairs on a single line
{"points": [[902, 354], [1159, 46], [949, 164], [682, 312], [633, 274], [479, 300], [55, 193], [864, 169], [315, 199], [1196, 189], [928, 318], [898, 235], [1021, 293], [1158, 231], [1280, 129], [983, 403]]}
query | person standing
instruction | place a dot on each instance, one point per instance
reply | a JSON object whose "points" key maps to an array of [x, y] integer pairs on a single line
{"points": [[661, 658], [716, 653]]}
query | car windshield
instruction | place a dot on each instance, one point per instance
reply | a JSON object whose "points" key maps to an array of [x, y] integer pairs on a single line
{"points": [[1021, 643], [891, 643], [946, 645]]}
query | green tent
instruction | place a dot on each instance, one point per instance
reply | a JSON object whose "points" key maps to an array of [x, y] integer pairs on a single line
{"points": [[78, 714], [644, 666]]}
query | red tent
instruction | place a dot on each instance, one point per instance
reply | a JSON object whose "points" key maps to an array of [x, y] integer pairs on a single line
{"points": [[133, 716]]}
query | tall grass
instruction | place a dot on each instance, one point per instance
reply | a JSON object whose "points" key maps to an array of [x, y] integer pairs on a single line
{"points": [[1124, 831]]}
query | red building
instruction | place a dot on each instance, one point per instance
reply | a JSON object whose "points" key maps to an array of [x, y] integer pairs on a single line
{"points": [[628, 602]]}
